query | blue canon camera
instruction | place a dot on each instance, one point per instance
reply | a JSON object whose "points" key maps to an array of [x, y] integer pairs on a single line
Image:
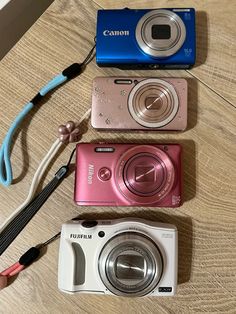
{"points": [[136, 39]]}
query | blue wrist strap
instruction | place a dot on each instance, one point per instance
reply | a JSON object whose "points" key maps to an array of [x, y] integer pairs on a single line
{"points": [[69, 73], [5, 162]]}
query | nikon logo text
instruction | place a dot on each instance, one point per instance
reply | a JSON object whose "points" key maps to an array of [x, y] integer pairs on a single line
{"points": [[80, 236], [115, 33], [90, 173]]}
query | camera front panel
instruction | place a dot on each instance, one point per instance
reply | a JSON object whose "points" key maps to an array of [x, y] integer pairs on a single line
{"points": [[126, 39], [134, 103], [128, 175], [129, 257]]}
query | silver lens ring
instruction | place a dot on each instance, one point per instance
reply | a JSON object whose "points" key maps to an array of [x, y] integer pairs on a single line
{"points": [[130, 264], [153, 88], [160, 47]]}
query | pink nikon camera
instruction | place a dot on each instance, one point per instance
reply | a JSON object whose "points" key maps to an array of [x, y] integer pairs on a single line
{"points": [[128, 175], [138, 103]]}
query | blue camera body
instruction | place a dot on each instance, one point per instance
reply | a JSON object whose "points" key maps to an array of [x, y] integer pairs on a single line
{"points": [[136, 39]]}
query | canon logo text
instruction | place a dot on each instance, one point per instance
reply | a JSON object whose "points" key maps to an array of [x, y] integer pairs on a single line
{"points": [[115, 33]]}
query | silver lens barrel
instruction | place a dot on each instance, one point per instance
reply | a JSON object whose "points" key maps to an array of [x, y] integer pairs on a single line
{"points": [[153, 103], [130, 264], [160, 33]]}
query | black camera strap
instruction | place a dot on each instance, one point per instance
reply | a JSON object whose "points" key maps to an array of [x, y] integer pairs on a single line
{"points": [[11, 231]]}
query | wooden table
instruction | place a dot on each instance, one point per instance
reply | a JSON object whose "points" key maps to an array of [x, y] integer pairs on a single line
{"points": [[207, 219]]}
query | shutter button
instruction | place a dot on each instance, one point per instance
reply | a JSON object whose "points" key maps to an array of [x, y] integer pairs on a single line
{"points": [[89, 223], [104, 174]]}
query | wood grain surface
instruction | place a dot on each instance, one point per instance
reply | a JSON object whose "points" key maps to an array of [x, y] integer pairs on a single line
{"points": [[207, 219]]}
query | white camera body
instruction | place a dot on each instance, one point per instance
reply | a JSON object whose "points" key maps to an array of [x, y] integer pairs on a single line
{"points": [[124, 257]]}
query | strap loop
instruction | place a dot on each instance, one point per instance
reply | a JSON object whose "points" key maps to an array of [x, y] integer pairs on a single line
{"points": [[5, 162], [6, 176]]}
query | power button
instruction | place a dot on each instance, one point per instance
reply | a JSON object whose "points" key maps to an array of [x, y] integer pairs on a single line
{"points": [[104, 174]]}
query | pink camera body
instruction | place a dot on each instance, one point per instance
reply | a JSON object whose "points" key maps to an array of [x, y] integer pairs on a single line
{"points": [[128, 175], [139, 103]]}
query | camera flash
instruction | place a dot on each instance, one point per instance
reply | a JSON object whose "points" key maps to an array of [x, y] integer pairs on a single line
{"points": [[104, 149]]}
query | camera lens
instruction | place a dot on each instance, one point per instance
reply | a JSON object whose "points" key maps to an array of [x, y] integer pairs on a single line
{"points": [[160, 33], [130, 264], [153, 103], [144, 174]]}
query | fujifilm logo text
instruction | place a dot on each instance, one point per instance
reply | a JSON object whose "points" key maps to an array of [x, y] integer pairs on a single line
{"points": [[90, 173], [115, 33], [80, 236]]}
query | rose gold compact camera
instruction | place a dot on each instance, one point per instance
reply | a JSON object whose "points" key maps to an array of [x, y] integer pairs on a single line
{"points": [[138, 103]]}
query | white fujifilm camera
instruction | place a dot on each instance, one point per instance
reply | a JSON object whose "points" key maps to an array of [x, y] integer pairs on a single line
{"points": [[123, 257]]}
